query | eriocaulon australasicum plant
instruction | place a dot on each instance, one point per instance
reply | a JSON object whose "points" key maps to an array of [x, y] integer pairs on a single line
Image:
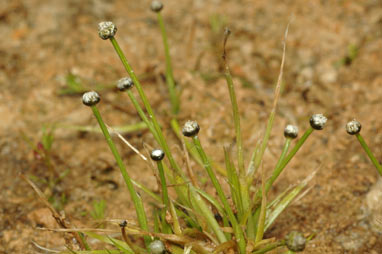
{"points": [[192, 220], [354, 128]]}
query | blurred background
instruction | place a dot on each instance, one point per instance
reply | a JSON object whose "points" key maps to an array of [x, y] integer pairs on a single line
{"points": [[50, 53]]}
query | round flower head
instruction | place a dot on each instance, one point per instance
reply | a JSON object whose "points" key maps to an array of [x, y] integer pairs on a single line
{"points": [[125, 84], [156, 6], [157, 247], [190, 129], [291, 131], [123, 224], [90, 98], [295, 241], [353, 127], [106, 30], [157, 154], [318, 121]]}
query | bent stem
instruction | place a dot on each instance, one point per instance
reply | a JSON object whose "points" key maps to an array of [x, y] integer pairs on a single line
{"points": [[134, 196], [369, 153]]}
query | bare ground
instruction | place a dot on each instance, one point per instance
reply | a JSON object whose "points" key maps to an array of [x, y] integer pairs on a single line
{"points": [[44, 41]]}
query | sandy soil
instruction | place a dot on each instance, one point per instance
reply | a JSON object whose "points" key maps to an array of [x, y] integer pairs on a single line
{"points": [[333, 66]]}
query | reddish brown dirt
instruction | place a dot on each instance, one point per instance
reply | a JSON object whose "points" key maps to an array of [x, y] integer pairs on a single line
{"points": [[43, 41]]}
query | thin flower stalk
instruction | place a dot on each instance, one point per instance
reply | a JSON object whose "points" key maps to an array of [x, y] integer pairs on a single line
{"points": [[143, 115], [175, 103], [145, 101], [354, 128], [277, 170], [369, 153], [285, 162], [141, 215], [192, 150]]}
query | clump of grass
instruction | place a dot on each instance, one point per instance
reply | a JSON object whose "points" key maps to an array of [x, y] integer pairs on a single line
{"points": [[354, 128], [194, 221]]}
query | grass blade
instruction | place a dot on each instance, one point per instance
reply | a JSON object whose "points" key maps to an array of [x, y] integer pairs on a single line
{"points": [[233, 181], [235, 108], [259, 156], [238, 231], [206, 213], [287, 199], [121, 245], [263, 210]]}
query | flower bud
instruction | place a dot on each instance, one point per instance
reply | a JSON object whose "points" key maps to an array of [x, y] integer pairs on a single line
{"points": [[318, 121], [353, 127], [157, 247], [106, 30], [156, 6], [123, 224], [125, 84], [157, 154], [90, 98], [291, 131], [190, 129], [295, 241]]}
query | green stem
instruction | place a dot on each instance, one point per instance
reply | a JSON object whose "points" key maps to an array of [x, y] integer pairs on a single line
{"points": [[369, 153], [236, 119], [163, 183], [287, 159], [269, 247], [235, 225], [143, 115], [295, 149], [206, 213], [145, 101], [192, 150], [262, 215], [134, 196], [244, 193], [264, 143], [120, 129], [175, 104], [234, 184], [277, 171]]}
